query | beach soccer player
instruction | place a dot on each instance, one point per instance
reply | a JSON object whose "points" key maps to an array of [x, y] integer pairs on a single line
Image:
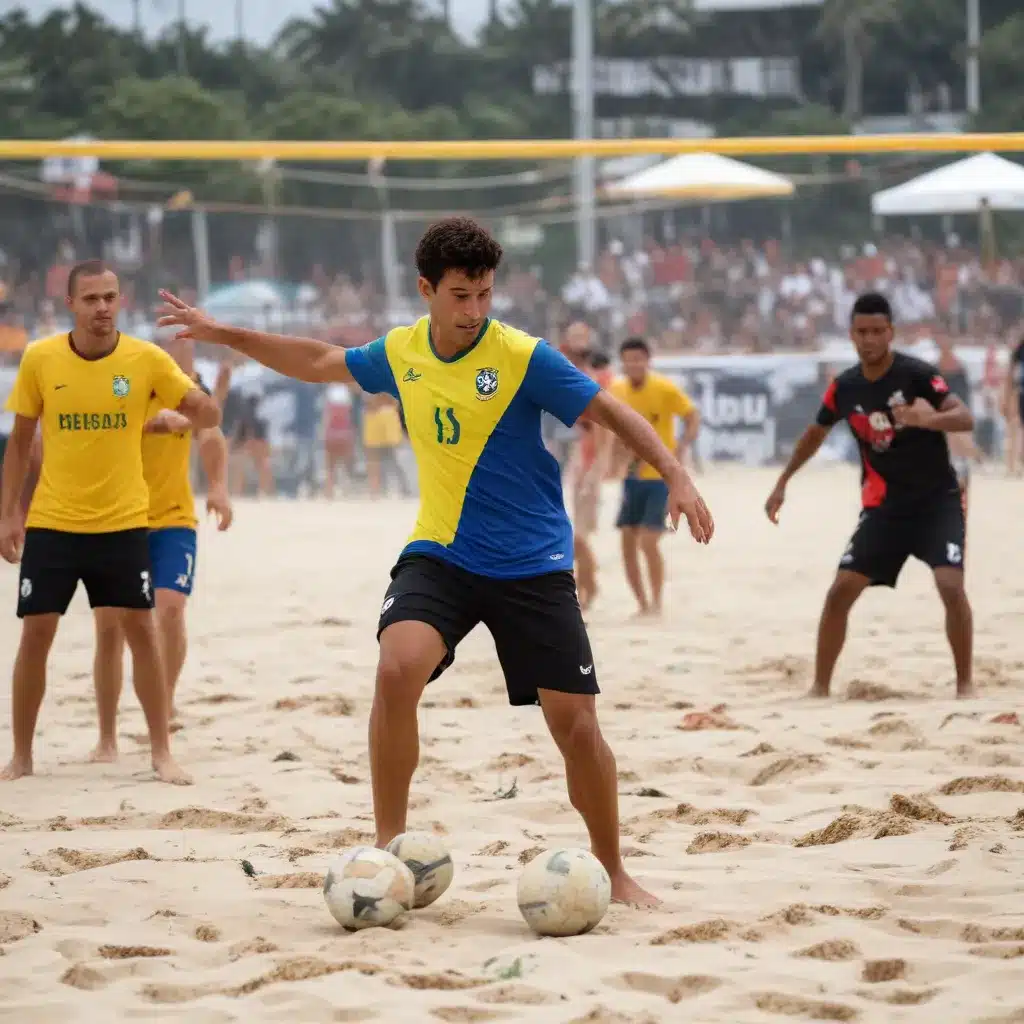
{"points": [[492, 541], [173, 548], [900, 410], [88, 520], [642, 514]]}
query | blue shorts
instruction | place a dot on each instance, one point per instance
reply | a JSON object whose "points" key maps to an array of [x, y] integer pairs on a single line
{"points": [[644, 504], [172, 558]]}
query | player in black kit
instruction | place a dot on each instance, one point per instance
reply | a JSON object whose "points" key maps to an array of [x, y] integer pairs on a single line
{"points": [[899, 409]]}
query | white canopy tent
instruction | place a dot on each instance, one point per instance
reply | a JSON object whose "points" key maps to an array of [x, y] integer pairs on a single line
{"points": [[960, 187], [701, 177]]}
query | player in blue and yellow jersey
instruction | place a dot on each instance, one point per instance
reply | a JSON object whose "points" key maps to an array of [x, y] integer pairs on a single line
{"points": [[167, 464], [492, 542], [88, 520]]}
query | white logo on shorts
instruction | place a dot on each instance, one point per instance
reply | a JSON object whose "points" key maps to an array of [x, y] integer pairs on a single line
{"points": [[953, 554], [26, 589], [146, 590], [387, 604], [587, 669], [847, 555]]}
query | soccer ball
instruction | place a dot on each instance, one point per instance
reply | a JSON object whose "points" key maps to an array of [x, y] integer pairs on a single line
{"points": [[368, 888], [564, 892], [428, 859]]}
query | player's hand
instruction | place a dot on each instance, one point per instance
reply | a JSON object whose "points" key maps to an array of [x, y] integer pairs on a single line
{"points": [[684, 501], [919, 414], [177, 313], [775, 502], [219, 504], [12, 539]]}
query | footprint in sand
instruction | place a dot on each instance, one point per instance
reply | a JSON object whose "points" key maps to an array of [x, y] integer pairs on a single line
{"points": [[300, 880], [467, 1014], [675, 990], [63, 861], [15, 926], [796, 1006]]}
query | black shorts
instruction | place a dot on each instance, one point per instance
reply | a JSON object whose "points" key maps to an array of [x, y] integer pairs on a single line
{"points": [[113, 567], [934, 533], [536, 622]]}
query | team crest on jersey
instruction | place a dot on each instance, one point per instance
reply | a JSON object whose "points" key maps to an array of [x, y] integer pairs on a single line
{"points": [[486, 383], [120, 386]]}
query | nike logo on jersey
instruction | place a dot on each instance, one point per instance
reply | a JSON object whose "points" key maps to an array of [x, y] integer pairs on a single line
{"points": [[59, 387], [411, 375]]}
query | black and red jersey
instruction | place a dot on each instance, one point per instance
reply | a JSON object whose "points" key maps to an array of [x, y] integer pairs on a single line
{"points": [[901, 465]]}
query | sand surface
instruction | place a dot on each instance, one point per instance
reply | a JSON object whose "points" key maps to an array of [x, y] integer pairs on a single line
{"points": [[859, 859]]}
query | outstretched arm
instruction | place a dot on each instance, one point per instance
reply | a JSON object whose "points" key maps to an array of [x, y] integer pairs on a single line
{"points": [[301, 358]]}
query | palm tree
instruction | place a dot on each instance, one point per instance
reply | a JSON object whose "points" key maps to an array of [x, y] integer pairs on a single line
{"points": [[849, 25]]}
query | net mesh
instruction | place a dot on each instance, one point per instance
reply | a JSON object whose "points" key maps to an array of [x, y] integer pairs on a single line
{"points": [[745, 301]]}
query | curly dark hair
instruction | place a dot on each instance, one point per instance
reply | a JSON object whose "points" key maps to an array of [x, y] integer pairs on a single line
{"points": [[456, 243]]}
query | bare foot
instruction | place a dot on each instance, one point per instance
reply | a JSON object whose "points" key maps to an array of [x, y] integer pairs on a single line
{"points": [[105, 752], [625, 890], [965, 691], [17, 767], [820, 691], [167, 770]]}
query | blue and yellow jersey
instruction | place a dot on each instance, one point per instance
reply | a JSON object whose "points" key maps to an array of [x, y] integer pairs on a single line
{"points": [[490, 492]]}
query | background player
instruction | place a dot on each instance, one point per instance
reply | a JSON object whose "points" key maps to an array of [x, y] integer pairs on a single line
{"points": [[167, 465], [590, 457], [644, 495], [87, 521], [492, 541], [899, 410]]}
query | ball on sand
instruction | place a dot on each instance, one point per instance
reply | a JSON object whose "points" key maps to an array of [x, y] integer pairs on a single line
{"points": [[367, 888], [427, 857], [564, 892]]}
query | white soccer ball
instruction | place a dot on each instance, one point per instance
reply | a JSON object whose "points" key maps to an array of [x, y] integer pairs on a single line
{"points": [[426, 856], [564, 892], [368, 888]]}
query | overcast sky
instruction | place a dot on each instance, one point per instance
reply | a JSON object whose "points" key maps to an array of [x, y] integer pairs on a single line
{"points": [[262, 18]]}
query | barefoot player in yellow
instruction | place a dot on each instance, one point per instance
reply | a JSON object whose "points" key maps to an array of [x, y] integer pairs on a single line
{"points": [[166, 460], [90, 390]]}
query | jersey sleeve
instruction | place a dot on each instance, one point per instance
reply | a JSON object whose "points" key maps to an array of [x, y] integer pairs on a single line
{"points": [[370, 368], [828, 414], [682, 404], [170, 382], [26, 397], [931, 385], [558, 387]]}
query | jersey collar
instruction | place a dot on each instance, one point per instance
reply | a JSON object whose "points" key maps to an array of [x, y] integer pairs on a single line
{"points": [[458, 355]]}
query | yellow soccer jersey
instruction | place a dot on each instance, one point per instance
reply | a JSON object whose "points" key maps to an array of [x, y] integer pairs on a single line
{"points": [[92, 412], [167, 466], [659, 400], [490, 492]]}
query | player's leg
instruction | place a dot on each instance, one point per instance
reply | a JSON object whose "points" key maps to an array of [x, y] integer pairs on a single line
{"points": [[628, 522], [119, 577], [373, 471], [428, 609], [652, 528], [941, 544], [172, 555], [585, 503], [107, 680], [874, 556], [545, 653], [47, 580]]}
